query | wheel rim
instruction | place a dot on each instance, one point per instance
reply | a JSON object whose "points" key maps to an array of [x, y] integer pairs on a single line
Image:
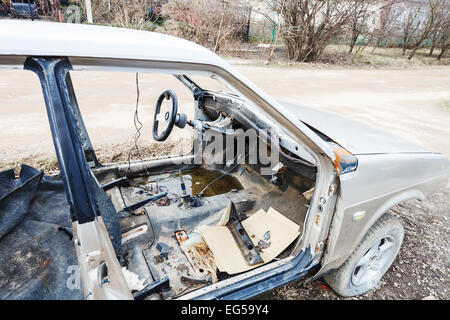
{"points": [[373, 264]]}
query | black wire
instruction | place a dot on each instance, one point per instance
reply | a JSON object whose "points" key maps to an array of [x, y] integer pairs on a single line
{"points": [[137, 124], [200, 194], [296, 160]]}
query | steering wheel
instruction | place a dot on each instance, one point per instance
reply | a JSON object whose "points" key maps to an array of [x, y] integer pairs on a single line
{"points": [[169, 117]]}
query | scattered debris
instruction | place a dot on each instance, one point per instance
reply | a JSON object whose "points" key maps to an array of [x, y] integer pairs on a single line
{"points": [[262, 245], [198, 254], [154, 287], [163, 249], [322, 285], [133, 281], [204, 259], [225, 215], [135, 232], [157, 259], [164, 201], [207, 280], [141, 203], [227, 254], [308, 194], [181, 236]]}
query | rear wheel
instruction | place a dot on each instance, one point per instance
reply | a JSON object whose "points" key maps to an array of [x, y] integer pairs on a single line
{"points": [[370, 260]]}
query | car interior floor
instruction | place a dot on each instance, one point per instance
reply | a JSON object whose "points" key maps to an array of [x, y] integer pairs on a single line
{"points": [[152, 234]]}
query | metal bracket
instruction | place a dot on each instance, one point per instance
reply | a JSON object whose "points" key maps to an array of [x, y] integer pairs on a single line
{"points": [[245, 244], [153, 287]]}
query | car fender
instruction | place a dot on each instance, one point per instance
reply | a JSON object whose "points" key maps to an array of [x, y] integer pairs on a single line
{"points": [[352, 219]]}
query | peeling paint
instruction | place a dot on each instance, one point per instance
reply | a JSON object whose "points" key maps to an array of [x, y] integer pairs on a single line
{"points": [[344, 161]]}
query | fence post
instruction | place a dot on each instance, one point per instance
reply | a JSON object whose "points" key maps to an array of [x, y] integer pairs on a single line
{"points": [[89, 11]]}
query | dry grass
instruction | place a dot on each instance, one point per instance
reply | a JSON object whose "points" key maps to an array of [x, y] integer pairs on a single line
{"points": [[105, 154], [337, 56]]}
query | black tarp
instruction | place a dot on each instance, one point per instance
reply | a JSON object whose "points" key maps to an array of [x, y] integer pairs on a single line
{"points": [[16, 195], [37, 259]]}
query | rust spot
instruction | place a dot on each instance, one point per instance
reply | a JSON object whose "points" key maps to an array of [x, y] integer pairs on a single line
{"points": [[44, 264], [344, 160], [283, 169], [44, 274], [157, 259], [181, 236], [164, 201]]}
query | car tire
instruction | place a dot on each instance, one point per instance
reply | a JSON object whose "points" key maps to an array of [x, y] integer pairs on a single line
{"points": [[370, 260]]}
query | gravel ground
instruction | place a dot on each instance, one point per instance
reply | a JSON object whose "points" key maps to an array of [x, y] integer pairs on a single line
{"points": [[421, 270]]}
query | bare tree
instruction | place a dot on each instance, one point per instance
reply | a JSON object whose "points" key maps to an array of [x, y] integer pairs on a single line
{"points": [[277, 32], [386, 30], [430, 25], [434, 37], [439, 32], [359, 22], [409, 27], [445, 37], [311, 25]]}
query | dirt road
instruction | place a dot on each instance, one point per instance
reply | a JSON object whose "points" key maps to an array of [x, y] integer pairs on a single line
{"points": [[413, 103]]}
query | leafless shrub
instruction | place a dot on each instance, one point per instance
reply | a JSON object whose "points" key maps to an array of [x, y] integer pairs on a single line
{"points": [[121, 13], [439, 33], [359, 23], [444, 37], [436, 12], [310, 26], [409, 27], [386, 31], [211, 23]]}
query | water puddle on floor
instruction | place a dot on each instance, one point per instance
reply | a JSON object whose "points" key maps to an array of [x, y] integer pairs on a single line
{"points": [[195, 181]]}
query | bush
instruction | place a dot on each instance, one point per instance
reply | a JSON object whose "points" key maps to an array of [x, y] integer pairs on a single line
{"points": [[212, 23], [134, 14]]}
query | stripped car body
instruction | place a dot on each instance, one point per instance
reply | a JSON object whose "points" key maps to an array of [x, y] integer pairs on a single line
{"points": [[353, 187]]}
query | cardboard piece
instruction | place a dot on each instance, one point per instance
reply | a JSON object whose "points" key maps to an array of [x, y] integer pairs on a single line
{"points": [[226, 252]]}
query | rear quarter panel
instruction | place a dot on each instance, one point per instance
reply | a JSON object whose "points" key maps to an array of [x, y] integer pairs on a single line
{"points": [[380, 182]]}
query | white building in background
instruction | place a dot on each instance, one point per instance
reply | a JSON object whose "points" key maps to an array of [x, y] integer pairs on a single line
{"points": [[404, 8]]}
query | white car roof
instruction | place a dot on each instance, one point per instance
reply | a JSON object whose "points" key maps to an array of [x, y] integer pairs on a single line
{"points": [[36, 38]]}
